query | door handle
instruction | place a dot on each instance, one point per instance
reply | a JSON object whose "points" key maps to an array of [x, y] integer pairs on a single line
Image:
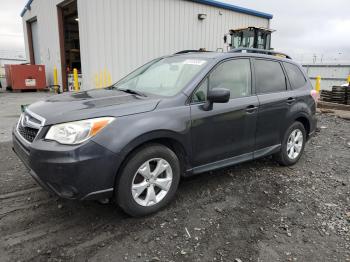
{"points": [[251, 109], [290, 100]]}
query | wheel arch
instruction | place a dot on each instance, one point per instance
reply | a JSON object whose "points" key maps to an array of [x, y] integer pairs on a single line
{"points": [[305, 121], [169, 139]]}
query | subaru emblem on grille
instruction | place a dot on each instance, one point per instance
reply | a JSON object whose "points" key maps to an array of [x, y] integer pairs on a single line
{"points": [[25, 120], [30, 121]]}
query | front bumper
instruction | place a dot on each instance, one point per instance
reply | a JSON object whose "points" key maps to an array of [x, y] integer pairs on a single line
{"points": [[85, 171]]}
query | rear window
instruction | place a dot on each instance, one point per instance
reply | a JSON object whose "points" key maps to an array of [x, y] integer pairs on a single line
{"points": [[295, 76], [269, 76]]}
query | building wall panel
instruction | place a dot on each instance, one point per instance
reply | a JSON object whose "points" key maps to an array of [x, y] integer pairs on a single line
{"points": [[117, 36], [331, 74], [46, 14]]}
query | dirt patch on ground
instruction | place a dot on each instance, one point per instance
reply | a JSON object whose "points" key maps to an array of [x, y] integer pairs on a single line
{"points": [[257, 211]]}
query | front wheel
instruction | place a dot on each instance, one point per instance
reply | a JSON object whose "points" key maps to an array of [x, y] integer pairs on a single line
{"points": [[148, 181], [292, 145]]}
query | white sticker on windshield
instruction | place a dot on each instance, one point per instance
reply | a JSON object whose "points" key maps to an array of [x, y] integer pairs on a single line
{"points": [[194, 62]]}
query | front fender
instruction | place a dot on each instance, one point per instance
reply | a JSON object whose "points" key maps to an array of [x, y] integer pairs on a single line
{"points": [[129, 132]]}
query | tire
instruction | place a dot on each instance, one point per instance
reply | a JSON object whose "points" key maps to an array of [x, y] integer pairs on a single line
{"points": [[286, 157], [136, 175]]}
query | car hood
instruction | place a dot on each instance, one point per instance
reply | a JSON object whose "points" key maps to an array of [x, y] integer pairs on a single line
{"points": [[92, 103]]}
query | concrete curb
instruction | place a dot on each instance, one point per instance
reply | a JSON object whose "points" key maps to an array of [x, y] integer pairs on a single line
{"points": [[335, 106]]}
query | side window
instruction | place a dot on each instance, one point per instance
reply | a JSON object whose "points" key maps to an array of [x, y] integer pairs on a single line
{"points": [[295, 76], [201, 93], [234, 75], [269, 76]]}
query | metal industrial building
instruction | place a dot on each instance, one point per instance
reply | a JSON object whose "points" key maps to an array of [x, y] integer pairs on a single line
{"points": [[106, 39], [332, 74]]}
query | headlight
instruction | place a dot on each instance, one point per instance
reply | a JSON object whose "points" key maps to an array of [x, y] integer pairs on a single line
{"points": [[73, 133]]}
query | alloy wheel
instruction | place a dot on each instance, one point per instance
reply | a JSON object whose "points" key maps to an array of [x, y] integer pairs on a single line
{"points": [[151, 182], [295, 144]]}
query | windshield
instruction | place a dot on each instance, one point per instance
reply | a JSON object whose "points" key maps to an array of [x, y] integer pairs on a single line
{"points": [[165, 76]]}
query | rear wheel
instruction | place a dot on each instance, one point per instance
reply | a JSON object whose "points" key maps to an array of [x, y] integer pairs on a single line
{"points": [[292, 145], [148, 181]]}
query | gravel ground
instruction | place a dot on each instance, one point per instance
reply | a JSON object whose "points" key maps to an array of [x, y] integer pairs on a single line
{"points": [[10, 108], [256, 211]]}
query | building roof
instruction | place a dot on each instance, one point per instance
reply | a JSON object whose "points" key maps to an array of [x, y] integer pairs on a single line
{"points": [[234, 8], [206, 2], [26, 7]]}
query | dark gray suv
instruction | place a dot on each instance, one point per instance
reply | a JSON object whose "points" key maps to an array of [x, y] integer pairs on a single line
{"points": [[175, 116]]}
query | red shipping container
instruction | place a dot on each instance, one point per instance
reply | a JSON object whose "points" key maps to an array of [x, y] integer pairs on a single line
{"points": [[25, 77]]}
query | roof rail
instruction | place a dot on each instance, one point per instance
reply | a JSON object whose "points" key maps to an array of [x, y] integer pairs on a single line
{"points": [[186, 51], [259, 51], [201, 50]]}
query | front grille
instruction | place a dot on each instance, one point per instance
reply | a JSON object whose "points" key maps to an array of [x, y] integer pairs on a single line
{"points": [[29, 125], [27, 133]]}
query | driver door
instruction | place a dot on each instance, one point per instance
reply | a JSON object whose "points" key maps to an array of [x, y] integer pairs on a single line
{"points": [[226, 133]]}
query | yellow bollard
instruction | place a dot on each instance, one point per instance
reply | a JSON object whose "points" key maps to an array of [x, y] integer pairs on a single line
{"points": [[318, 83], [348, 80], [55, 76], [76, 81], [55, 79]]}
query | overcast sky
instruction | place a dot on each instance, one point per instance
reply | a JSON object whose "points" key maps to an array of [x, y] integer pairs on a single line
{"points": [[11, 31], [303, 28]]}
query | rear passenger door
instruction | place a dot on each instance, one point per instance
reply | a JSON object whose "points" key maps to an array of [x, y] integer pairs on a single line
{"points": [[275, 101]]}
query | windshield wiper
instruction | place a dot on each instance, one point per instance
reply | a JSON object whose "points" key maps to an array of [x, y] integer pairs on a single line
{"points": [[131, 91]]}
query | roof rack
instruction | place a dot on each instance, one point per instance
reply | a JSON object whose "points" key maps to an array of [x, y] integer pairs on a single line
{"points": [[259, 51]]}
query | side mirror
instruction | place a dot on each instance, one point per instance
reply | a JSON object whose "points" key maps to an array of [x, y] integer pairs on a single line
{"points": [[216, 95]]}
